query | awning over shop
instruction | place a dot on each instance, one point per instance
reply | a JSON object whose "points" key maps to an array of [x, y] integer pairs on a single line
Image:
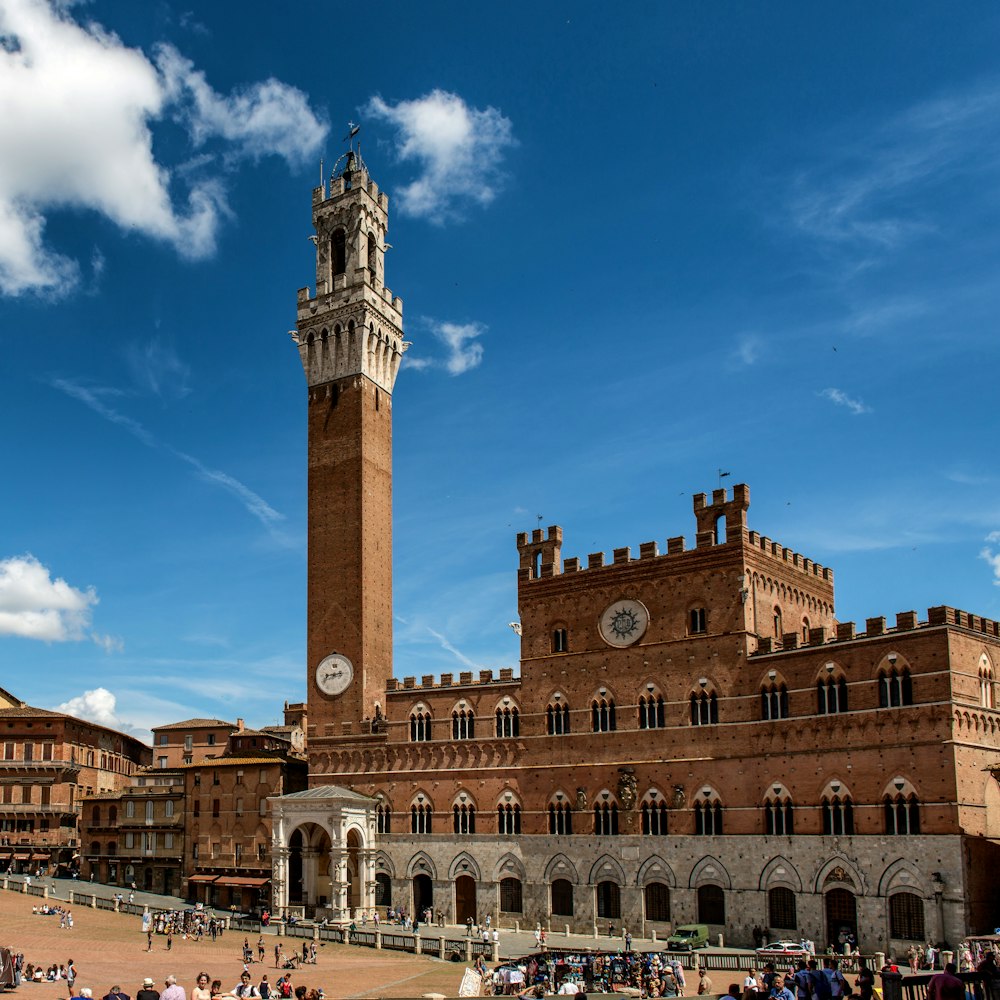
{"points": [[21, 857], [39, 857], [250, 883], [202, 878]]}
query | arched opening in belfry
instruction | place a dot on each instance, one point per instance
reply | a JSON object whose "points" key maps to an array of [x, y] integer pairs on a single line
{"points": [[720, 530], [338, 251], [372, 249], [354, 899], [536, 565]]}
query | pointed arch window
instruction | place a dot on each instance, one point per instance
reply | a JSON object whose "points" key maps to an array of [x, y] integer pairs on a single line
{"points": [[463, 724], [831, 695], [708, 816], [372, 256], [902, 814], [602, 715], [338, 251], [779, 815], [838, 815], [421, 818], [420, 726], [697, 621], [508, 722], [560, 640], [777, 623], [704, 708], [464, 817], [653, 814], [383, 818], [606, 819], [895, 686], [508, 819], [557, 718], [986, 691], [651, 711], [560, 818]]}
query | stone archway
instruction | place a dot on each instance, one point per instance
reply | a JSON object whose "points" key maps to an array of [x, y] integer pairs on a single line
{"points": [[322, 849], [465, 899], [841, 915]]}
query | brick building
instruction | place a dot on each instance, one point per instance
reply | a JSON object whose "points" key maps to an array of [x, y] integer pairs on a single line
{"points": [[693, 735], [50, 763]]}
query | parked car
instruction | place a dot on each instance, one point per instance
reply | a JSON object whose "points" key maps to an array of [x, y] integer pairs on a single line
{"points": [[783, 949], [687, 937]]}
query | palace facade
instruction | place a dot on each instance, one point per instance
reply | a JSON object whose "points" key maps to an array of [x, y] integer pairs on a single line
{"points": [[692, 735]]}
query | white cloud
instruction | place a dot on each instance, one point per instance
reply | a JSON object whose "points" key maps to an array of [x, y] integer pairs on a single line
{"points": [[34, 606], [748, 349], [462, 341], [992, 557], [100, 706], [458, 149], [841, 398], [76, 107]]}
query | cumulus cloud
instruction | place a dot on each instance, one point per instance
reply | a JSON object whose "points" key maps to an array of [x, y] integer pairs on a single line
{"points": [[98, 705], [76, 106], [841, 398], [465, 352], [457, 148], [992, 556], [34, 606]]}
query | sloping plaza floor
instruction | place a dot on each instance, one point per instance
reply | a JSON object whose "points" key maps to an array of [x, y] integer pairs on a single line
{"points": [[109, 948]]}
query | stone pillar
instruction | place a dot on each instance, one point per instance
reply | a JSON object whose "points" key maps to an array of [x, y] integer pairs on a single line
{"points": [[279, 881], [310, 871], [339, 883], [366, 878]]}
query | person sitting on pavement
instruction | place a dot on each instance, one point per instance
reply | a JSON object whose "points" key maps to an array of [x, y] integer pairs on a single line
{"points": [[115, 993], [147, 992]]}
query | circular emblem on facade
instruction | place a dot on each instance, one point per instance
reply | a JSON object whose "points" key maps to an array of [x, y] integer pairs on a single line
{"points": [[334, 674], [624, 622]]}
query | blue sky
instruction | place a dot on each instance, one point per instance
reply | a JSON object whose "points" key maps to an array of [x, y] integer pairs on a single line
{"points": [[633, 250]]}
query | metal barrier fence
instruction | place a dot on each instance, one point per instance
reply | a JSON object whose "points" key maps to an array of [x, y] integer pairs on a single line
{"points": [[104, 903], [244, 924]]}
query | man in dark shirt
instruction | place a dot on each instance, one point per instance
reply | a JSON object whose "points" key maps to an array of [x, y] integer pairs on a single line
{"points": [[115, 993], [147, 992]]}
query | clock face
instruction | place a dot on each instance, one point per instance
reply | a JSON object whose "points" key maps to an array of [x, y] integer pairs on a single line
{"points": [[624, 622], [334, 674]]}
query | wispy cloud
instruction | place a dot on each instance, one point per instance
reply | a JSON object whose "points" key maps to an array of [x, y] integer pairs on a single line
{"points": [[464, 351], [457, 148], [33, 605], [882, 187], [157, 369], [841, 398], [992, 556], [78, 106], [749, 347], [252, 502]]}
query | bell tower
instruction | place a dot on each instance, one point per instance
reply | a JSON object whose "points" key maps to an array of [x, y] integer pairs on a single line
{"points": [[350, 338]]}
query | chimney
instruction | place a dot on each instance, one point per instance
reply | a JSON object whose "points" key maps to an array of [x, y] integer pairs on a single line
{"points": [[239, 725]]}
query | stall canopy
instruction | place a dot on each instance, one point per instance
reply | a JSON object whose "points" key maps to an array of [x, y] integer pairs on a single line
{"points": [[254, 883], [202, 878]]}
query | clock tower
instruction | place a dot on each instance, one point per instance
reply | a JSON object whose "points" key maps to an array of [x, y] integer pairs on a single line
{"points": [[350, 338]]}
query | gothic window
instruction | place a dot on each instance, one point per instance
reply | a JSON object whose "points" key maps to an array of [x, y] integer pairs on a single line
{"points": [[338, 251], [774, 701], [704, 708], [383, 818], [609, 900], [696, 622], [711, 904], [781, 908], [985, 683], [508, 820], [421, 817], [778, 815], [383, 889], [831, 695], [510, 895], [777, 623], [602, 712], [463, 724], [902, 814], [372, 249], [838, 815], [557, 719], [651, 714], [805, 630], [508, 722], [906, 917], [464, 818], [708, 817], [654, 818], [606, 819], [657, 899], [560, 818], [895, 687], [562, 897], [560, 640], [420, 726]]}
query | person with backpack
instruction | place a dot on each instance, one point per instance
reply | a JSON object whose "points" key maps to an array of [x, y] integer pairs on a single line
{"points": [[839, 987], [819, 984]]}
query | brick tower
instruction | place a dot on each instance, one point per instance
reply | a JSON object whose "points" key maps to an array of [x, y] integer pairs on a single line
{"points": [[350, 338]]}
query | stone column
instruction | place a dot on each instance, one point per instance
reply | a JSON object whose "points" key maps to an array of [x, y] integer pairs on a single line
{"points": [[279, 881], [339, 883], [310, 873], [366, 876]]}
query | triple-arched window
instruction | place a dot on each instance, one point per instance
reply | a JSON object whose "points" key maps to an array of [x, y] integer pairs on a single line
{"points": [[602, 715], [508, 722], [421, 818], [606, 819], [420, 726], [560, 818], [831, 695], [508, 819], [464, 817], [557, 718], [838, 815], [463, 724], [708, 816], [902, 814], [653, 814], [895, 686], [774, 701], [704, 708], [651, 714], [779, 815]]}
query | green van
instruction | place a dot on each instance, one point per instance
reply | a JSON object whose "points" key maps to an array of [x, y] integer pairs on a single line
{"points": [[687, 937]]}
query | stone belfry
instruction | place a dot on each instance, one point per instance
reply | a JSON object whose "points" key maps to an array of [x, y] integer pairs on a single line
{"points": [[350, 338]]}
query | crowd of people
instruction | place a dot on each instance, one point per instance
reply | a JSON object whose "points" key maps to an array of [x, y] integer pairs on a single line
{"points": [[207, 988]]}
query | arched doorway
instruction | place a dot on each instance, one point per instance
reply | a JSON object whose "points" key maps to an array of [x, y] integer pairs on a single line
{"points": [[465, 898], [309, 868], [841, 916], [423, 894], [354, 870]]}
